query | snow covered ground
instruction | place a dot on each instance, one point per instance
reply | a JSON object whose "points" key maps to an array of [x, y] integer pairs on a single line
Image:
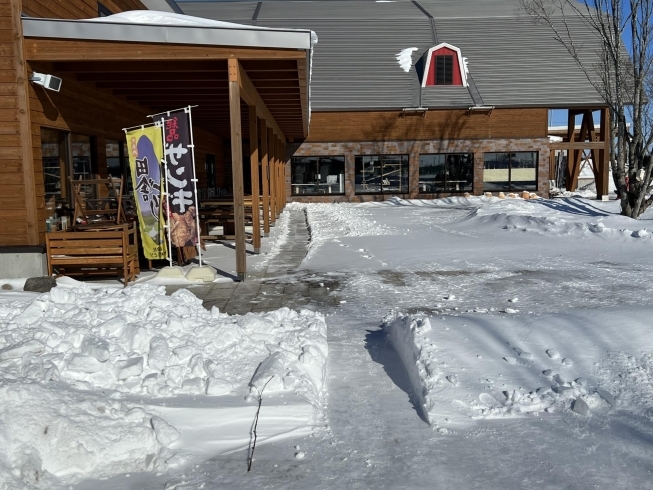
{"points": [[479, 343], [98, 382]]}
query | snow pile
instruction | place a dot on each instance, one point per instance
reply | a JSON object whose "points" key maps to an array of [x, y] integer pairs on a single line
{"points": [[59, 352], [551, 390], [48, 431], [278, 237], [405, 58], [327, 221], [407, 335]]}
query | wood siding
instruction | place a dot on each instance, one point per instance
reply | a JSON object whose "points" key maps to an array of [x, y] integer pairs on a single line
{"points": [[21, 185], [435, 125], [76, 9]]}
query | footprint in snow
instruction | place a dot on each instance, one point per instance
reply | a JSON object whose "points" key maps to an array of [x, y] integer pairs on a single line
{"points": [[553, 354], [510, 360], [523, 354], [567, 362]]}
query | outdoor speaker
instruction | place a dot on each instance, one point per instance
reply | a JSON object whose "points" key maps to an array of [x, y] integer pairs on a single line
{"points": [[48, 81]]}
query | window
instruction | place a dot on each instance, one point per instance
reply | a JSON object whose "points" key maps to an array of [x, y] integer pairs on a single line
{"points": [[442, 65], [102, 11], [55, 169], [510, 171], [444, 70], [118, 162], [382, 174], [446, 172], [317, 175]]}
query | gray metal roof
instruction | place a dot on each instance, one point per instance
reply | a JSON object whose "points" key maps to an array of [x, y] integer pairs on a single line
{"points": [[513, 62]]}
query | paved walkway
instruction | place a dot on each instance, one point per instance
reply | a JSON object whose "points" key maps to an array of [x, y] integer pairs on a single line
{"points": [[272, 287]]}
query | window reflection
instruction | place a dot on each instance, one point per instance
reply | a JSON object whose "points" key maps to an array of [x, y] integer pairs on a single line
{"points": [[382, 174], [446, 172], [317, 175], [510, 171]]}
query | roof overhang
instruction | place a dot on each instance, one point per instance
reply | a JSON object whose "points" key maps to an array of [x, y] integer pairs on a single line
{"points": [[275, 63], [96, 30]]}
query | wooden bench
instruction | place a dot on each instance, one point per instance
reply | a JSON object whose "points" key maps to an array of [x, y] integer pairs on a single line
{"points": [[94, 252]]}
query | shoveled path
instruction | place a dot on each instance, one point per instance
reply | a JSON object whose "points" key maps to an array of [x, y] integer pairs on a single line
{"points": [[273, 286]]}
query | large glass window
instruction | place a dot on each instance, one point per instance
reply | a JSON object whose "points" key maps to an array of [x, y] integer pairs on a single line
{"points": [[55, 169], [446, 172], [382, 174], [510, 171], [444, 69], [317, 175]]}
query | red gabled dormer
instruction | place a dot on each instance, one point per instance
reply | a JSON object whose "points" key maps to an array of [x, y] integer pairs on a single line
{"points": [[444, 66]]}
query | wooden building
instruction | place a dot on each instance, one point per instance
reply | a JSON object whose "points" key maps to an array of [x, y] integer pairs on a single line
{"points": [[116, 70], [431, 98], [413, 98]]}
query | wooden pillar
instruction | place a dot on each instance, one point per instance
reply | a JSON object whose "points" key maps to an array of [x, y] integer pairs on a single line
{"points": [[237, 168], [603, 163], [273, 180], [265, 172], [254, 161], [282, 171], [24, 121], [279, 178]]}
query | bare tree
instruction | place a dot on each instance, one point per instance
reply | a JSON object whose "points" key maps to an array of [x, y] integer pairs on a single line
{"points": [[621, 73]]}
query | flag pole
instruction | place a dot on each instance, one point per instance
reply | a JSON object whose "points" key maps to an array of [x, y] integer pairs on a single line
{"points": [[194, 180], [165, 179]]}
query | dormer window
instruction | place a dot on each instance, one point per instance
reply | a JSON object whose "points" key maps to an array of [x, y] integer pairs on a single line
{"points": [[444, 66], [443, 69]]}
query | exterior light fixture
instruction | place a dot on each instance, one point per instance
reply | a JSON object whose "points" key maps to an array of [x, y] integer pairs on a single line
{"points": [[48, 81]]}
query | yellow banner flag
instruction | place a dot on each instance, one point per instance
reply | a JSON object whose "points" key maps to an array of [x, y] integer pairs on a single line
{"points": [[145, 147]]}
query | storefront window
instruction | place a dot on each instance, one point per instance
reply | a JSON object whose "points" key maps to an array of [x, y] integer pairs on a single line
{"points": [[118, 163], [382, 174], [446, 172], [317, 175], [510, 171], [55, 169]]}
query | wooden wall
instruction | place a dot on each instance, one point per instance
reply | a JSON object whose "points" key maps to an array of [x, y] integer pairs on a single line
{"points": [[20, 197], [436, 124], [76, 9]]}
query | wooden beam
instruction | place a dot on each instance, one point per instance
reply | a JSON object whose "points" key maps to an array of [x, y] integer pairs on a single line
{"points": [[303, 91], [141, 66], [265, 169], [252, 97], [24, 119], [254, 162], [577, 145], [603, 170], [39, 49], [237, 169], [272, 140]]}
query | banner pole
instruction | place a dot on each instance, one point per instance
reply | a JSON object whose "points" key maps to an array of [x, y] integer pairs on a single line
{"points": [[165, 179], [197, 205]]}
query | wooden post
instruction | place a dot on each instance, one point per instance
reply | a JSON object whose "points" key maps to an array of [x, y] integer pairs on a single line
{"points": [[279, 193], [253, 161], [237, 168], [283, 174], [603, 164], [265, 170], [273, 181], [25, 124]]}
